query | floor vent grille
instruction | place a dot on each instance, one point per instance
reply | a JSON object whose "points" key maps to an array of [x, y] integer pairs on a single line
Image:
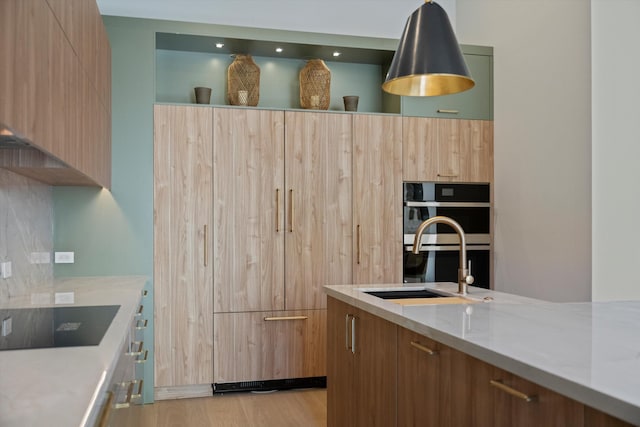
{"points": [[269, 385]]}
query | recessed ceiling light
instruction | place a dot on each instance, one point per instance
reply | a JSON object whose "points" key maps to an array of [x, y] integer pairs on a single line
{"points": [[336, 53], [279, 49], [219, 45]]}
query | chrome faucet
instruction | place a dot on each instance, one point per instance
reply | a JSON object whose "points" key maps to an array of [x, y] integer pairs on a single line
{"points": [[464, 278]]}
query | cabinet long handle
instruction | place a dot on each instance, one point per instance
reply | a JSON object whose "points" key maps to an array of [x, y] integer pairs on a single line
{"points": [[272, 319], [138, 395], [447, 176], [277, 210], [512, 391], [423, 348], [358, 243], [353, 334], [445, 111], [206, 255], [143, 359], [291, 210], [140, 310]]}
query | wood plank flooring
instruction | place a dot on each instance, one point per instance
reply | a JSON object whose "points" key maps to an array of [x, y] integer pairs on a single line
{"points": [[293, 408]]}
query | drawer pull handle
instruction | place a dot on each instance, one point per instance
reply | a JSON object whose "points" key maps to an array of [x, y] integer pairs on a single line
{"points": [[106, 410], [512, 391], [127, 401], [272, 319], [145, 293], [144, 359], [444, 111], [137, 352], [142, 324], [140, 309], [447, 176], [138, 395], [421, 347], [358, 243]]}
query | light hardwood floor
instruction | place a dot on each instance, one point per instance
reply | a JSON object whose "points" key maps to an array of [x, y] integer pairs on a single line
{"points": [[293, 408]]}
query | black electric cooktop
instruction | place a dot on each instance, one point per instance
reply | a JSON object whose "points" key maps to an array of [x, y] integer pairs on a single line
{"points": [[24, 328]]}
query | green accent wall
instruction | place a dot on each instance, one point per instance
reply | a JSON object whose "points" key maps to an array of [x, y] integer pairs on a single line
{"points": [[111, 232]]}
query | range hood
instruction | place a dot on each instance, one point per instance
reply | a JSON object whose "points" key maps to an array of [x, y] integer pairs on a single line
{"points": [[10, 139]]}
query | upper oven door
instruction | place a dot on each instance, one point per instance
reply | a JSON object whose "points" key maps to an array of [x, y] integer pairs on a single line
{"points": [[467, 204]]}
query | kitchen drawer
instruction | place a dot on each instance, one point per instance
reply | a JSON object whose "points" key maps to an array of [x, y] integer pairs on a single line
{"points": [[269, 345]]}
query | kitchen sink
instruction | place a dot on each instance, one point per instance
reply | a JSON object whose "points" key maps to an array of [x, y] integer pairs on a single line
{"points": [[418, 297], [406, 293]]}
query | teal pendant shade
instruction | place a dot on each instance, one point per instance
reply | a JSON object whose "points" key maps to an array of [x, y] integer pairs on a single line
{"points": [[428, 61]]}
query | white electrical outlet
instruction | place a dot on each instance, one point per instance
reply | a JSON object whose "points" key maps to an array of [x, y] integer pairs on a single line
{"points": [[5, 269], [7, 326], [64, 257], [64, 298]]}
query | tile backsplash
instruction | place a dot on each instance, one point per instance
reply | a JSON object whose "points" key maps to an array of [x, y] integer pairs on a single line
{"points": [[26, 233]]}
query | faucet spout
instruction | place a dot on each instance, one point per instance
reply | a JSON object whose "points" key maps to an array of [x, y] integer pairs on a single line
{"points": [[464, 278]]}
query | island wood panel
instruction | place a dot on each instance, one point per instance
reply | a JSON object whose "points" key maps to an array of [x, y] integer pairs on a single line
{"points": [[361, 368], [249, 212], [547, 408], [377, 205], [424, 383], [183, 279], [340, 366], [318, 177], [595, 418], [269, 345], [476, 151]]}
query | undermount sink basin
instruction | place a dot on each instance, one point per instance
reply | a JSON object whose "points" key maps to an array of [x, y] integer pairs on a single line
{"points": [[418, 297]]}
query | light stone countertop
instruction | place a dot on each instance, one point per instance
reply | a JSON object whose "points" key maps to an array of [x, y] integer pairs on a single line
{"points": [[589, 352], [59, 386]]}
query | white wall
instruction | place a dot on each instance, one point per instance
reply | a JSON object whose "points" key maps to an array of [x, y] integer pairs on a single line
{"points": [[616, 149], [542, 141], [373, 18]]}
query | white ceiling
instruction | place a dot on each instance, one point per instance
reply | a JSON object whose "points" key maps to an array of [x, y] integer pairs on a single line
{"points": [[373, 18]]}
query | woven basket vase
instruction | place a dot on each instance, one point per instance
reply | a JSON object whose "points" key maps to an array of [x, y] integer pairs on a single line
{"points": [[243, 74], [315, 85]]}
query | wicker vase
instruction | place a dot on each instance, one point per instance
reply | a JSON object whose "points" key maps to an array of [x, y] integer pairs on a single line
{"points": [[243, 78], [315, 85]]}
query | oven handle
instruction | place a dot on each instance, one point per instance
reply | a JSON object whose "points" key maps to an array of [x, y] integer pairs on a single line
{"points": [[443, 248], [447, 204]]}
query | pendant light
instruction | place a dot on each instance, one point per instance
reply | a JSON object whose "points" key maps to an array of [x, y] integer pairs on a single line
{"points": [[428, 61]]}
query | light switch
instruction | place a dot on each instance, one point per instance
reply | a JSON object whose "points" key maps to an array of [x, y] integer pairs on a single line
{"points": [[5, 269], [64, 257], [7, 326]]}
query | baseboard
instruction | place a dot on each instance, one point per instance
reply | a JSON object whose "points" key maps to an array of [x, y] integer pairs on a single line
{"points": [[182, 392], [266, 385]]}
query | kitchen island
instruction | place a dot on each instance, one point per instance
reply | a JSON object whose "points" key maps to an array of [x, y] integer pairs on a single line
{"points": [[67, 386], [586, 352]]}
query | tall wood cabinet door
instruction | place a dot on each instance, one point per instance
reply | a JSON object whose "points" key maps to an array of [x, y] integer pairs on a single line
{"points": [[319, 199], [249, 210], [377, 202], [269, 345], [340, 365], [419, 149], [183, 279], [423, 381], [476, 151]]}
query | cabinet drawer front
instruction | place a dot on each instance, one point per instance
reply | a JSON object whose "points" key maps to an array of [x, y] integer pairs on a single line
{"points": [[269, 345]]}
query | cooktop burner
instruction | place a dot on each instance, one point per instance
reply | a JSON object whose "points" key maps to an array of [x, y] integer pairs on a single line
{"points": [[47, 327]]}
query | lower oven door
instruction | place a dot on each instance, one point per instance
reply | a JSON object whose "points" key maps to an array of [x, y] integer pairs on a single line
{"points": [[440, 263]]}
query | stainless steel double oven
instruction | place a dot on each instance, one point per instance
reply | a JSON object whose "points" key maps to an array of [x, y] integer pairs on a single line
{"points": [[438, 260]]}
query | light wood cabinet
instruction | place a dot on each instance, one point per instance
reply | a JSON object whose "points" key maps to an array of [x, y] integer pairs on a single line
{"points": [[377, 205], [361, 368], [282, 197], [269, 345], [183, 268], [49, 96], [447, 150], [249, 210]]}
